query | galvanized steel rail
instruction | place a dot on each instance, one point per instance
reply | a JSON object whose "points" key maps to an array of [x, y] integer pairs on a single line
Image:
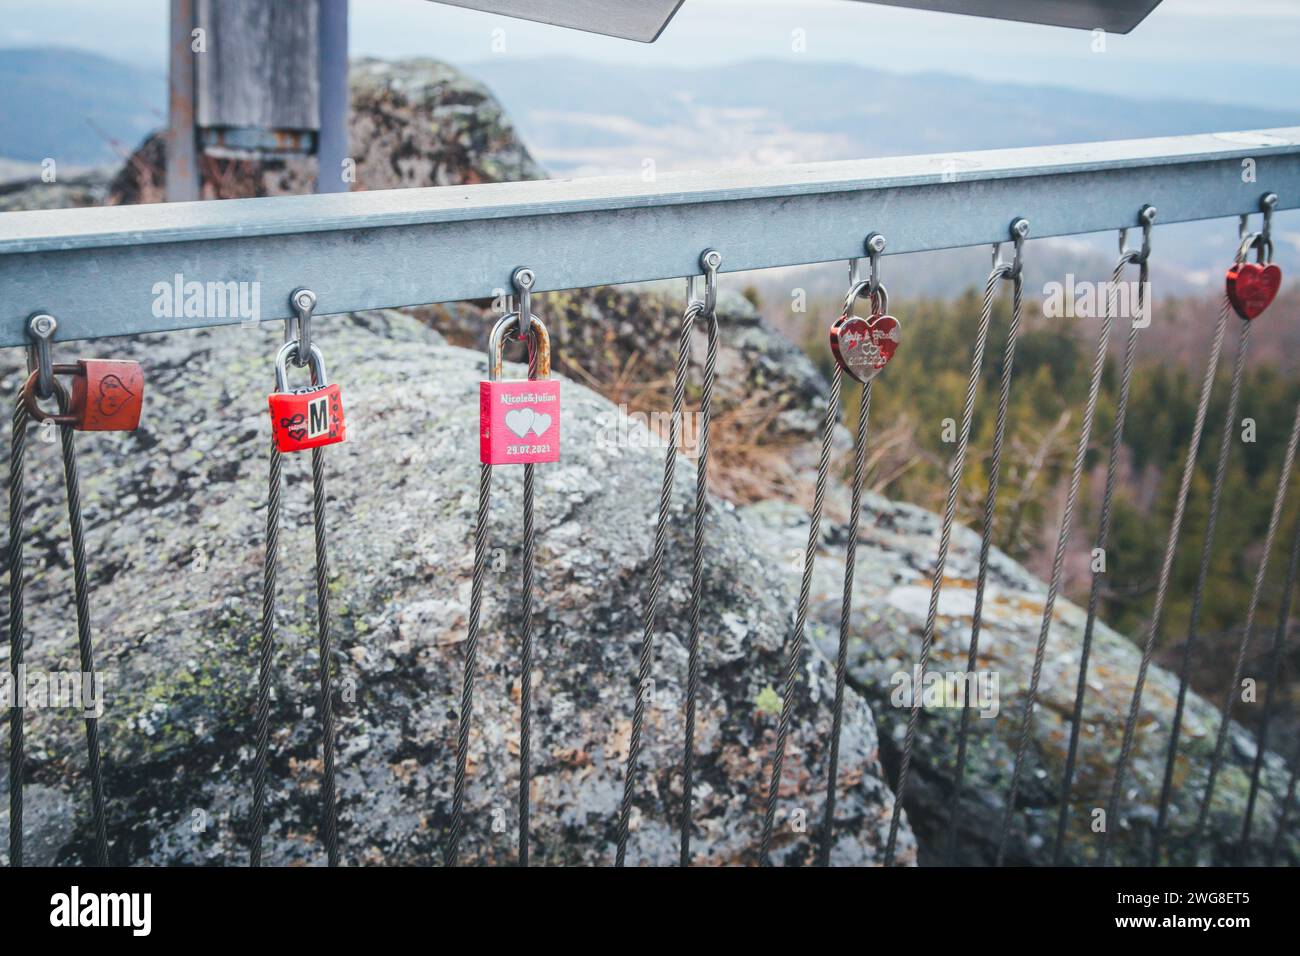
{"points": [[96, 269]]}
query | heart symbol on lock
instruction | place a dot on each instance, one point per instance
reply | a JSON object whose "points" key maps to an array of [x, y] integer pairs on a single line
{"points": [[863, 347], [1253, 287], [540, 424], [113, 394], [520, 421]]}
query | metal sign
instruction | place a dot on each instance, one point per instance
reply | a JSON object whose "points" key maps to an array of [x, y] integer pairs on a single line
{"points": [[1113, 16], [641, 20], [644, 20]]}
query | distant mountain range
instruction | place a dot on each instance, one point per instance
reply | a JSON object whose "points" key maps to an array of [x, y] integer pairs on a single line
{"points": [[583, 118], [75, 107]]}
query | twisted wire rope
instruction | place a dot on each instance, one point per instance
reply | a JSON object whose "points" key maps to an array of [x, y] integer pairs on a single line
{"points": [[1243, 648], [1207, 553], [1102, 540], [1162, 588], [646, 656], [1054, 585], [986, 541], [697, 585], [955, 467], [846, 611], [795, 639]]}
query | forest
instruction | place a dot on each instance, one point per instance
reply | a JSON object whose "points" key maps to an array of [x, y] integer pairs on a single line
{"points": [[926, 382]]}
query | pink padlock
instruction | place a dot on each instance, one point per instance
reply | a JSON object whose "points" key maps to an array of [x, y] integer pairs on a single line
{"points": [[519, 420]]}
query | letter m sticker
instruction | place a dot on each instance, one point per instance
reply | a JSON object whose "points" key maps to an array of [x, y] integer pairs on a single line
{"points": [[318, 417]]}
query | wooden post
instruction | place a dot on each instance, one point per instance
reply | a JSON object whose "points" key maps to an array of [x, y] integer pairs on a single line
{"points": [[252, 78], [259, 74]]}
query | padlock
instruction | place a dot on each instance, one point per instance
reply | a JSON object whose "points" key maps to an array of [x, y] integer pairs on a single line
{"points": [[519, 421], [863, 347], [305, 417], [107, 396], [1252, 286]]}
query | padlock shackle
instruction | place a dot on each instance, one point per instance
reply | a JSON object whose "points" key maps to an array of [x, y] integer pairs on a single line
{"points": [[315, 359], [496, 342], [1260, 242], [879, 297], [29, 396]]}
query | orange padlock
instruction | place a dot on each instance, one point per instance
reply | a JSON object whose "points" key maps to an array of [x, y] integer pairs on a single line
{"points": [[107, 396]]}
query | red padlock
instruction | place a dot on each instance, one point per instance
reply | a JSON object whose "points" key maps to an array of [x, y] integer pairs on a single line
{"points": [[863, 347], [305, 417], [519, 421], [1252, 286], [107, 396]]}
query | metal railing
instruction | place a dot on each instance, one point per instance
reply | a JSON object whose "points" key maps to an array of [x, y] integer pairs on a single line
{"points": [[97, 270]]}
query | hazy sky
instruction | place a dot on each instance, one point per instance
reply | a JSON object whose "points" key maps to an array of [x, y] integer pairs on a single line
{"points": [[1187, 48]]}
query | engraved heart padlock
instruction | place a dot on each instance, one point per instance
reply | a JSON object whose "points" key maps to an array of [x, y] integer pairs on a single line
{"points": [[863, 347]]}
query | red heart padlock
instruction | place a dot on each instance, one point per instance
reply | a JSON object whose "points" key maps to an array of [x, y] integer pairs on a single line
{"points": [[1252, 287], [305, 417], [863, 347]]}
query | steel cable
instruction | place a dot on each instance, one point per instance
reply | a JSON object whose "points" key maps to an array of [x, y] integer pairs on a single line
{"points": [[85, 643], [646, 657], [526, 668], [1207, 551], [17, 630], [795, 638], [986, 537], [324, 625], [85, 646], [1053, 587], [266, 654], [1162, 588], [1225, 724], [846, 611], [1274, 683], [1103, 539], [452, 854], [526, 643], [956, 466], [697, 584]]}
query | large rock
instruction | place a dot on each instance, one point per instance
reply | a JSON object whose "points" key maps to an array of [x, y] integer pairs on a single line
{"points": [[84, 189], [415, 122], [175, 516], [892, 579]]}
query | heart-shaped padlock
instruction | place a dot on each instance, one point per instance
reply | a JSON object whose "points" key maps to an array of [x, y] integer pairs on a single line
{"points": [[1252, 287], [863, 347]]}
